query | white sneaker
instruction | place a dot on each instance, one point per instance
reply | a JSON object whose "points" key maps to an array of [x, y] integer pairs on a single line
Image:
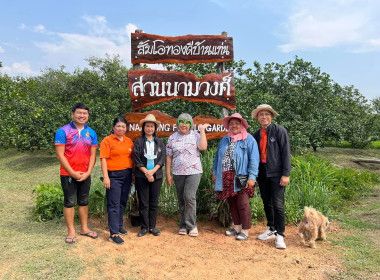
{"points": [[280, 243], [268, 234]]}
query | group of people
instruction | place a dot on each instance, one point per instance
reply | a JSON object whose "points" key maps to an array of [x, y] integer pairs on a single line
{"points": [[241, 162]]}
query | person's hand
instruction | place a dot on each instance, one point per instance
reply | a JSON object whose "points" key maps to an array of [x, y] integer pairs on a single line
{"points": [[169, 180], [213, 179], [77, 175], [284, 181], [203, 127], [107, 183], [149, 173], [84, 176], [151, 179], [250, 183]]}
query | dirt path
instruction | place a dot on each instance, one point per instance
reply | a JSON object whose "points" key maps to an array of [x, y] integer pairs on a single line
{"points": [[209, 256]]}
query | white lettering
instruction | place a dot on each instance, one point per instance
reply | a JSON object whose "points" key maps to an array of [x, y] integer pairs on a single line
{"points": [[188, 89], [193, 48]]}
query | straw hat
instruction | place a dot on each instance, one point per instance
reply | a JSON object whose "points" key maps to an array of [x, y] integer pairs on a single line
{"points": [[226, 120], [150, 118], [263, 107]]}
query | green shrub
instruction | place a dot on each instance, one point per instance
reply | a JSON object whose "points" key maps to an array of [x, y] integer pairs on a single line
{"points": [[314, 182], [374, 145], [49, 202], [168, 202], [350, 183], [257, 207], [97, 200]]}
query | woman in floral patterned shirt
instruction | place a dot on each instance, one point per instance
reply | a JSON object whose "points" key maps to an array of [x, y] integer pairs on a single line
{"points": [[182, 158]]}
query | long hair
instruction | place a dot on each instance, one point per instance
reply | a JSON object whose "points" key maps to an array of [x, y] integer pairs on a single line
{"points": [[154, 133]]}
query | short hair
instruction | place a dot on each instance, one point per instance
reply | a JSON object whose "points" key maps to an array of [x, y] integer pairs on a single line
{"points": [[186, 117], [79, 106]]}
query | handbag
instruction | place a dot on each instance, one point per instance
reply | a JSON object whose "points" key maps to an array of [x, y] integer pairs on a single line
{"points": [[241, 181]]}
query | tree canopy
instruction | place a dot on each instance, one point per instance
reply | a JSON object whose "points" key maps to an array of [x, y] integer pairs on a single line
{"points": [[314, 109]]}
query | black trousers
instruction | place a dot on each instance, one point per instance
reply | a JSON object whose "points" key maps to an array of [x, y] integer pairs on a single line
{"points": [[117, 197], [148, 194], [273, 196]]}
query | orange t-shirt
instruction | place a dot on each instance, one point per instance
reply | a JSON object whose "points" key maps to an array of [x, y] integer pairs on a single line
{"points": [[119, 155], [263, 146]]}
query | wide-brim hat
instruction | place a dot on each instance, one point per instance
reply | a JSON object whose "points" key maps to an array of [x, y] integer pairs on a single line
{"points": [[226, 120], [263, 107], [150, 118]]}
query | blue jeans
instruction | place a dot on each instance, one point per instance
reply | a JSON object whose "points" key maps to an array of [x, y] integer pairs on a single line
{"points": [[117, 197]]}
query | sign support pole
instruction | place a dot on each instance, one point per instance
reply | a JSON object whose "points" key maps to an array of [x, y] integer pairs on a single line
{"points": [[220, 69]]}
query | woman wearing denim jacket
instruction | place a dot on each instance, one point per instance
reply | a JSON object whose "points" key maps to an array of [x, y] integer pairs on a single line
{"points": [[237, 154]]}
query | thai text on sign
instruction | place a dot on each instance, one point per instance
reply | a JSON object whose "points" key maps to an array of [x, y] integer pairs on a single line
{"points": [[169, 125], [149, 87], [149, 48]]}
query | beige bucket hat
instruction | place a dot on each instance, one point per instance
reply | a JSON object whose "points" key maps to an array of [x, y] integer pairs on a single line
{"points": [[150, 118], [262, 107]]}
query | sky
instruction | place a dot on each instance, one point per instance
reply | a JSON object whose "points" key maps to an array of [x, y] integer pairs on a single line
{"points": [[341, 37]]}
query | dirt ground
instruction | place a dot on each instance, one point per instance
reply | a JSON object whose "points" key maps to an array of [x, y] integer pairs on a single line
{"points": [[211, 255]]}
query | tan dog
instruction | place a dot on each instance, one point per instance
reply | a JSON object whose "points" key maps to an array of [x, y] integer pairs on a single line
{"points": [[312, 227]]}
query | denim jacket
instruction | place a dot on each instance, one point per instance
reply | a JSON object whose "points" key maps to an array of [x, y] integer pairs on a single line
{"points": [[246, 160]]}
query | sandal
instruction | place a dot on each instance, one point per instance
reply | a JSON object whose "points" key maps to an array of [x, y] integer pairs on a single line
{"points": [[182, 231], [90, 234], [194, 232], [71, 240]]}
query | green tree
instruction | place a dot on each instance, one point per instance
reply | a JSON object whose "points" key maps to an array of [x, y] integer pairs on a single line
{"points": [[354, 114], [303, 97]]}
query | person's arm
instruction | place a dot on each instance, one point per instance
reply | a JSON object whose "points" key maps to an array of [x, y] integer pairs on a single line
{"points": [[216, 160], [138, 153], [169, 178], [253, 162], [91, 164], [202, 145], [106, 179], [285, 157], [60, 153]]}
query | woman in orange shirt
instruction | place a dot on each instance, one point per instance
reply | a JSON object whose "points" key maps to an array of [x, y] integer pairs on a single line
{"points": [[116, 159]]}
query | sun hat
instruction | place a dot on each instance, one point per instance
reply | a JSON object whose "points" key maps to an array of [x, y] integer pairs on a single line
{"points": [[150, 118], [262, 107], [226, 120]]}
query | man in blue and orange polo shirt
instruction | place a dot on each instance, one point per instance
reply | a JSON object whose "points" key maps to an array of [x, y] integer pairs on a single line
{"points": [[75, 145]]}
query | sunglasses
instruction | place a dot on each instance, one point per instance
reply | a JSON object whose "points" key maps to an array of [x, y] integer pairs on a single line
{"points": [[183, 122]]}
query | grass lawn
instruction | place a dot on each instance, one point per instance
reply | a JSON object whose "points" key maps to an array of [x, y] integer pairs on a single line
{"points": [[29, 249], [361, 247]]}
